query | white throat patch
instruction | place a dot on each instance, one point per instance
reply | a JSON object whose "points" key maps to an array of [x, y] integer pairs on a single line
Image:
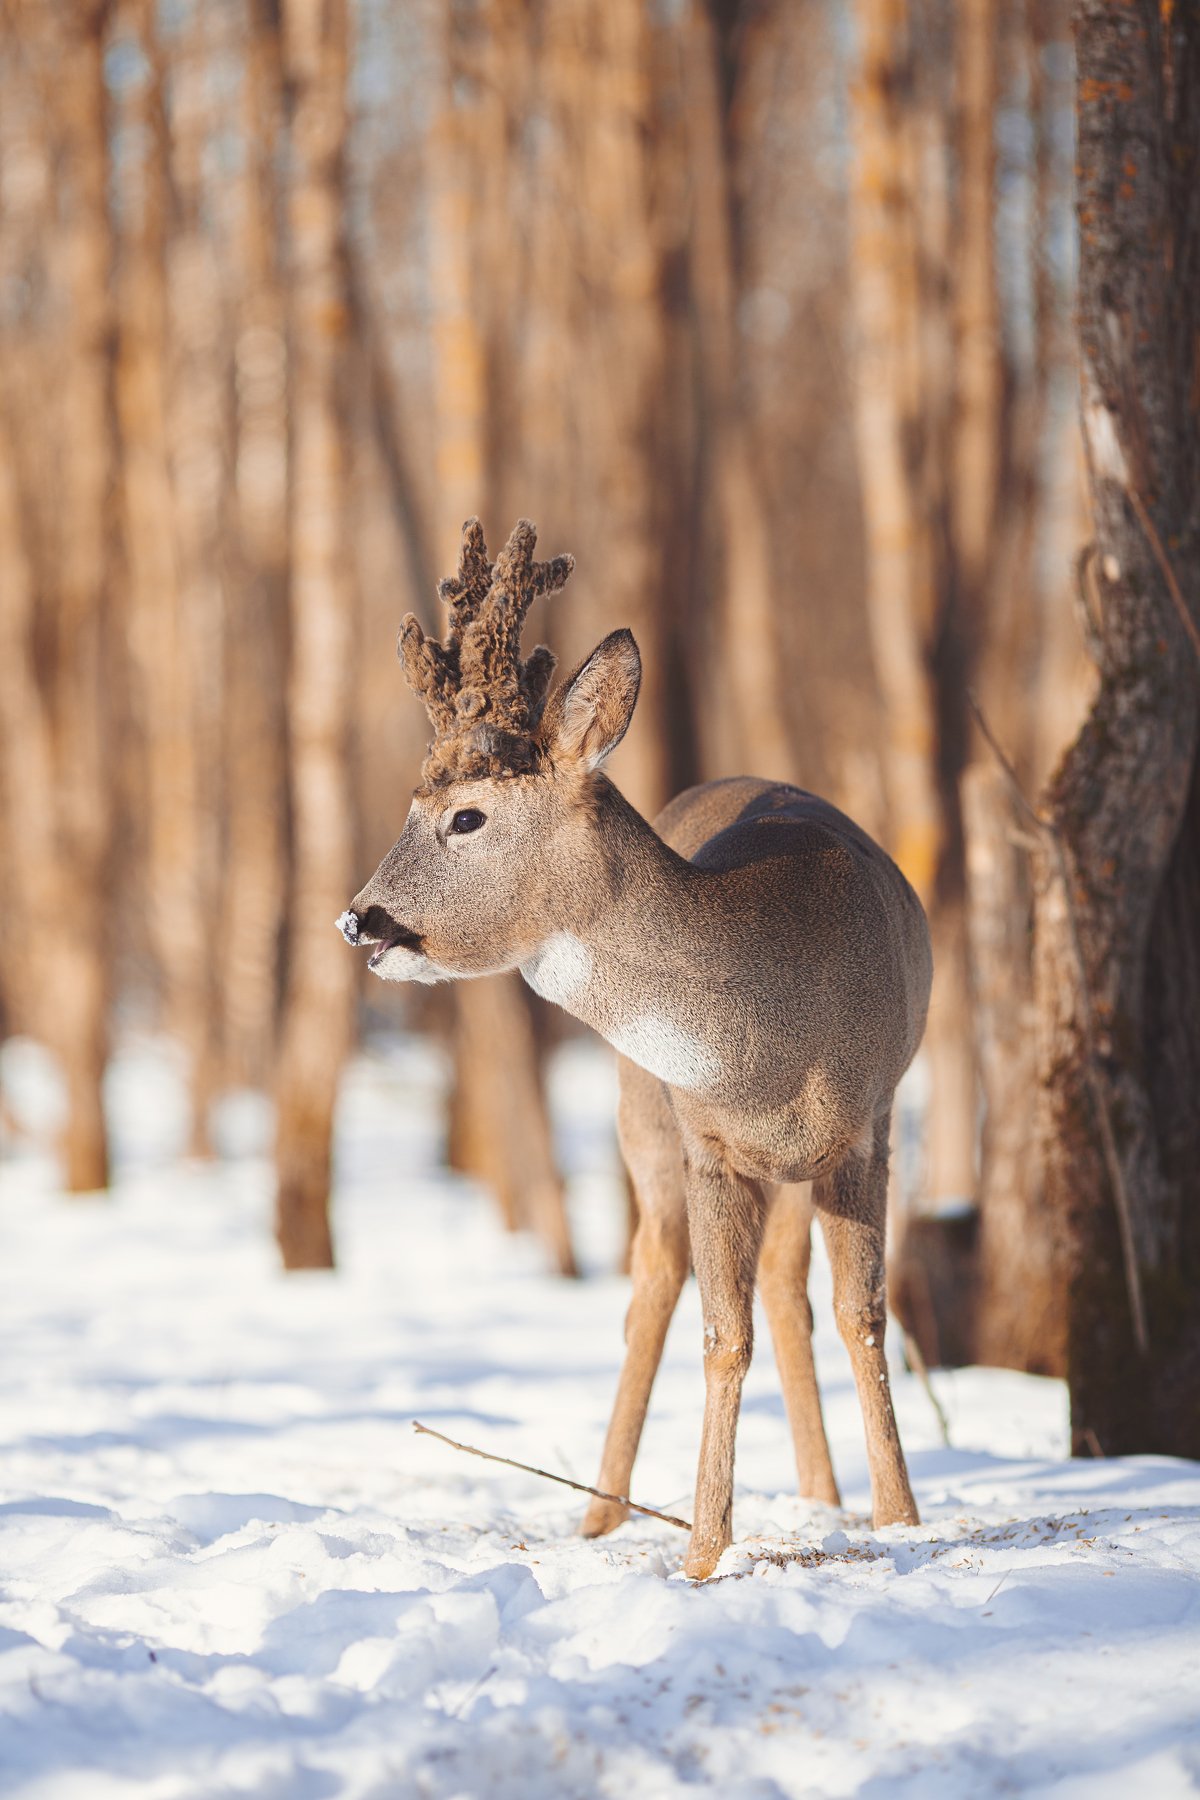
{"points": [[665, 1049], [560, 970]]}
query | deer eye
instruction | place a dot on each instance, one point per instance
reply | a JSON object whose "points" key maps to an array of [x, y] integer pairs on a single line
{"points": [[468, 819]]}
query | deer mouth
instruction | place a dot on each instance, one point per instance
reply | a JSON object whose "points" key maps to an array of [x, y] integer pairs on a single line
{"points": [[398, 939], [377, 930]]}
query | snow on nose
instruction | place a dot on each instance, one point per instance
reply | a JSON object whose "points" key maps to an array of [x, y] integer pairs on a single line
{"points": [[347, 924]]}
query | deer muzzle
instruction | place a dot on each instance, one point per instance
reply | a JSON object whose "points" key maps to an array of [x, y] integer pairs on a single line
{"points": [[377, 928]]}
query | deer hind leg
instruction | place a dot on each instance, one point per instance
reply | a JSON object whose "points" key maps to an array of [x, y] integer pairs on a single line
{"points": [[726, 1213], [783, 1283], [659, 1263], [852, 1203]]}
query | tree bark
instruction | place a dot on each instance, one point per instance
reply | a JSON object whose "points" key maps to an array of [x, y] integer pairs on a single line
{"points": [[598, 66], [60, 462], [1119, 1044], [318, 1004], [1018, 1303], [500, 1129], [745, 712], [188, 710], [900, 294], [252, 899], [161, 667]]}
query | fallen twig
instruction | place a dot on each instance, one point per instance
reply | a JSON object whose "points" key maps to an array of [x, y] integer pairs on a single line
{"points": [[528, 1469], [997, 1587]]}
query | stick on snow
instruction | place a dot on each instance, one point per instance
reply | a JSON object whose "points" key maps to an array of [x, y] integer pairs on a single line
{"points": [[528, 1469]]}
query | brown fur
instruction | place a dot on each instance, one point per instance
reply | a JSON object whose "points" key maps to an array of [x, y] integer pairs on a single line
{"points": [[764, 969]]}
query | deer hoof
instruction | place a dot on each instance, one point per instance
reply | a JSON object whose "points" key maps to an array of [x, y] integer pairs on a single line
{"points": [[601, 1517], [699, 1566]]}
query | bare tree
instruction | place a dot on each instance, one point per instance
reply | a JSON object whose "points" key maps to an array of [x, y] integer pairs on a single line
{"points": [[255, 804], [320, 985], [745, 702], [167, 479], [1117, 964], [1031, 673], [500, 1129], [60, 464], [903, 318]]}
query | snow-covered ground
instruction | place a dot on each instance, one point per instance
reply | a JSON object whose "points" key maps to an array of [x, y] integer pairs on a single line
{"points": [[229, 1567]]}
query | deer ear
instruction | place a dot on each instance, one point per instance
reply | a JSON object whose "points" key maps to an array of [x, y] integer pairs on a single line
{"points": [[590, 713]]}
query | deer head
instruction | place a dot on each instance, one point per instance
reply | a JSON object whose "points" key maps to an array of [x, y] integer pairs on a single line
{"points": [[493, 852]]}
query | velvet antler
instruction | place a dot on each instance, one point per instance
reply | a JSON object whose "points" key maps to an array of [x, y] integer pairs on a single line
{"points": [[483, 701]]}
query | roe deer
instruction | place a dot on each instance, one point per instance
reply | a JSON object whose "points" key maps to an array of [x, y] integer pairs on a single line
{"points": [[761, 965]]}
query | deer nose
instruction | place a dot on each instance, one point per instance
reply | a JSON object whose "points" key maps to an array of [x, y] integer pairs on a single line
{"points": [[378, 925]]}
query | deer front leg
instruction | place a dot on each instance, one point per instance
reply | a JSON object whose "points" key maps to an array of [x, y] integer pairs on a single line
{"points": [[783, 1283], [725, 1223], [659, 1265], [852, 1203]]}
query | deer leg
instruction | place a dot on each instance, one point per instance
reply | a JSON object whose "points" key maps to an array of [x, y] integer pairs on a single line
{"points": [[783, 1283], [725, 1223], [659, 1265], [852, 1203]]}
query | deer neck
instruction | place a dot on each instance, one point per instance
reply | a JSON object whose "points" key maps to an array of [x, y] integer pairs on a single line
{"points": [[627, 959]]}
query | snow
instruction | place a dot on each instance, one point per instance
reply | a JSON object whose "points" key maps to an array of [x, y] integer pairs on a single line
{"points": [[228, 1567]]}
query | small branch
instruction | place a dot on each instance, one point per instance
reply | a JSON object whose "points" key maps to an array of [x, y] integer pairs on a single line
{"points": [[1010, 774], [1099, 1098], [1167, 572], [528, 1469], [920, 1369]]}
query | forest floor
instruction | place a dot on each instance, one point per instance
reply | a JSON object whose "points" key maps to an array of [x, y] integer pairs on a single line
{"points": [[228, 1567]]}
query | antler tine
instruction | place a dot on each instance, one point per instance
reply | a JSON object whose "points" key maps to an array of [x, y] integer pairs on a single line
{"points": [[478, 670], [535, 681], [428, 671], [548, 577], [514, 565], [466, 592], [491, 649], [490, 653]]}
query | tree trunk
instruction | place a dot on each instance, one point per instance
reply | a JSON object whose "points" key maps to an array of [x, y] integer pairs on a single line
{"points": [[160, 668], [1019, 1299], [606, 220], [901, 397], [500, 1130], [252, 901], [197, 426], [27, 783], [1119, 1049], [1030, 668], [506, 1130], [318, 1004], [745, 710], [69, 443]]}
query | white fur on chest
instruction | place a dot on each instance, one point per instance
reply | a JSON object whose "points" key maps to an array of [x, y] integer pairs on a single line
{"points": [[665, 1049], [560, 970]]}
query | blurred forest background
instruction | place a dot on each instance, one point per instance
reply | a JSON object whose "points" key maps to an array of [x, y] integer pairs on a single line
{"points": [[765, 309]]}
